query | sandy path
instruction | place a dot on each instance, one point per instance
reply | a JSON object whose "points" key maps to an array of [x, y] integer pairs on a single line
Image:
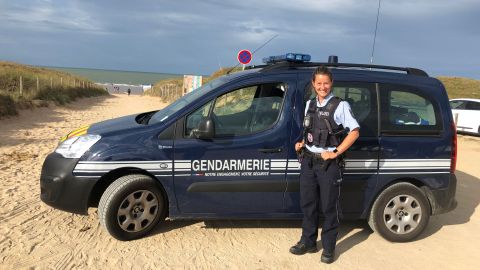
{"points": [[33, 235]]}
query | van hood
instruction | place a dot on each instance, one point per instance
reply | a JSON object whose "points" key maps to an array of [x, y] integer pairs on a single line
{"points": [[119, 124]]}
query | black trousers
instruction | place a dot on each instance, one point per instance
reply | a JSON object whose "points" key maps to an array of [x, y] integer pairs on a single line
{"points": [[319, 190]]}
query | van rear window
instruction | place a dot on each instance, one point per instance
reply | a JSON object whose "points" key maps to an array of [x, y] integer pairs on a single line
{"points": [[407, 110]]}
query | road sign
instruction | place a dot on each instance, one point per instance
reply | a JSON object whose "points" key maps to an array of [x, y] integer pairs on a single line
{"points": [[244, 57]]}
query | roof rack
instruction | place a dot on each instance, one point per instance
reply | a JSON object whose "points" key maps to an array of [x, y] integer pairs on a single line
{"points": [[289, 65]]}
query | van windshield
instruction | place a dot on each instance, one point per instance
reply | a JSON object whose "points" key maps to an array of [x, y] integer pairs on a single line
{"points": [[182, 102]]}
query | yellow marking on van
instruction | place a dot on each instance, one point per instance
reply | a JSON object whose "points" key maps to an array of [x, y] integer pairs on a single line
{"points": [[77, 132]]}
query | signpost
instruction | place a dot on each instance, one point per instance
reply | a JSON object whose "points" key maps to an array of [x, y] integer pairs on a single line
{"points": [[244, 57]]}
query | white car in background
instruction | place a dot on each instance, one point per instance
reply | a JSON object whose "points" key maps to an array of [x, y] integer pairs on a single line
{"points": [[466, 114]]}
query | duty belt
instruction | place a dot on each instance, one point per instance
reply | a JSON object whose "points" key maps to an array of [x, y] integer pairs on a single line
{"points": [[316, 156]]}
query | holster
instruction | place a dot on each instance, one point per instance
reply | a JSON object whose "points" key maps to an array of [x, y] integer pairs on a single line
{"points": [[301, 153], [339, 160]]}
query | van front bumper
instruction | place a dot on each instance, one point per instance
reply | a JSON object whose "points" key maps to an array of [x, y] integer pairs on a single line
{"points": [[443, 200], [60, 189]]}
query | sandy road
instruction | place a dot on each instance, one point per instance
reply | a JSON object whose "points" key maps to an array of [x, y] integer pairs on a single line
{"points": [[33, 235]]}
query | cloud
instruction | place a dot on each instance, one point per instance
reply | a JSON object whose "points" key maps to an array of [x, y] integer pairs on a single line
{"points": [[417, 9], [193, 36], [253, 31], [47, 16]]}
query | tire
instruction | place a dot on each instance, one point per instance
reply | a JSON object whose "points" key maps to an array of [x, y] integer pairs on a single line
{"points": [[400, 213], [131, 206]]}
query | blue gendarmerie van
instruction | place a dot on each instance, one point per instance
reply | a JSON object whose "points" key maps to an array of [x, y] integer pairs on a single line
{"points": [[226, 151]]}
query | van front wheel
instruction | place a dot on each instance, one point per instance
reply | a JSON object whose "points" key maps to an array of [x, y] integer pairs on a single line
{"points": [[131, 206], [400, 213]]}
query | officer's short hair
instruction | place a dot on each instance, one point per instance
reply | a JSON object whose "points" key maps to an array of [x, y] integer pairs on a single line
{"points": [[322, 70]]}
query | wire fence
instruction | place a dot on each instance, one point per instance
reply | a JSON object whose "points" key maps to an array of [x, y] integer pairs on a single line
{"points": [[29, 85], [26, 84], [168, 92]]}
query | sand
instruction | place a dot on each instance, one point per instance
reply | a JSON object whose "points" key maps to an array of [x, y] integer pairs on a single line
{"points": [[34, 235]]}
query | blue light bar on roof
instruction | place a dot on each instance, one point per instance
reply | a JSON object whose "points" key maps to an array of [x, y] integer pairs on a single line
{"points": [[289, 57]]}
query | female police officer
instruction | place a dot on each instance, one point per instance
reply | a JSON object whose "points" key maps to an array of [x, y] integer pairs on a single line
{"points": [[320, 171]]}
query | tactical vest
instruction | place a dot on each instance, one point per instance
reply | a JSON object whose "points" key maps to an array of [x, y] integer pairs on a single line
{"points": [[318, 133]]}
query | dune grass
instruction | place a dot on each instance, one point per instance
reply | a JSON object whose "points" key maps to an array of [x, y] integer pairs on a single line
{"points": [[461, 87], [39, 85]]}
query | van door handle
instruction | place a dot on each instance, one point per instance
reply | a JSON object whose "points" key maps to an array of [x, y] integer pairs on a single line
{"points": [[271, 150]]}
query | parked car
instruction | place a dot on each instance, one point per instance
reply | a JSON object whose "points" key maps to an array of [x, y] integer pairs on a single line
{"points": [[466, 114], [226, 151]]}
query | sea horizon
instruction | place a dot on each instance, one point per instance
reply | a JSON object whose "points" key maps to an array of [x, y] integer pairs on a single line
{"points": [[131, 77]]}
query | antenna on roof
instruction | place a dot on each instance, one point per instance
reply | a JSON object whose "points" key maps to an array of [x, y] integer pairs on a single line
{"points": [[375, 35], [254, 51], [264, 44]]}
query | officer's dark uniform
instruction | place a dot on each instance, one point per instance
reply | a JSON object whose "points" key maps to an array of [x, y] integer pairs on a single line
{"points": [[319, 184]]}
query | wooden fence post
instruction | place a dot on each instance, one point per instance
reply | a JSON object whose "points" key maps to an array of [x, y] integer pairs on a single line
{"points": [[38, 85], [21, 86], [61, 81], [51, 82]]}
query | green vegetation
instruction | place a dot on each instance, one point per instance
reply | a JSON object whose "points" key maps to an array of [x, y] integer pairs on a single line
{"points": [[461, 87], [24, 86], [234, 102]]}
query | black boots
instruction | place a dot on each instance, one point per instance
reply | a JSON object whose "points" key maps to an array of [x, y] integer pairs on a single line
{"points": [[327, 257], [300, 249]]}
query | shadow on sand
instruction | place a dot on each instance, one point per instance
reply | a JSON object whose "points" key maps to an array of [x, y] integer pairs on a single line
{"points": [[43, 117], [468, 188], [467, 195], [344, 243]]}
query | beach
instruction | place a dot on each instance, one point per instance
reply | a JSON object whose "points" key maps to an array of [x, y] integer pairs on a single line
{"points": [[36, 236]]}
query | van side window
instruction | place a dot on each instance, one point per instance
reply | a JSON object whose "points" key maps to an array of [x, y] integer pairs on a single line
{"points": [[405, 110], [243, 111], [194, 118], [361, 97], [248, 110]]}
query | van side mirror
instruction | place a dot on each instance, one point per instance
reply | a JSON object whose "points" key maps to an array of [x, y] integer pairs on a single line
{"points": [[205, 129]]}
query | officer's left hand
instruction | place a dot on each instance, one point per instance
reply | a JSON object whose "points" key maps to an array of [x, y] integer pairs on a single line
{"points": [[328, 155]]}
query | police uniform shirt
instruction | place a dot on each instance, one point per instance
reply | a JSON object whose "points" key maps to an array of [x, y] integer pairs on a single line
{"points": [[343, 115]]}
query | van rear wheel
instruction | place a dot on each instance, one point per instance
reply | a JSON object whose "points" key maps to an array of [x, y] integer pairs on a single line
{"points": [[131, 206], [400, 213]]}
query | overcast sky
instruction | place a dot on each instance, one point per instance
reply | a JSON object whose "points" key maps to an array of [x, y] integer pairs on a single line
{"points": [[197, 37]]}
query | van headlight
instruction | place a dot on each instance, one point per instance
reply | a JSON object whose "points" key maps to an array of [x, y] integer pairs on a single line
{"points": [[75, 147]]}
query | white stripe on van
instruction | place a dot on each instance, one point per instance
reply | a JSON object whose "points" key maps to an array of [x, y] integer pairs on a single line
{"points": [[275, 165], [112, 166], [183, 166]]}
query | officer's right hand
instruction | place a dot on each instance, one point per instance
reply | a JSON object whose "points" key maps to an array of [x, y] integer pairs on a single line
{"points": [[298, 146]]}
